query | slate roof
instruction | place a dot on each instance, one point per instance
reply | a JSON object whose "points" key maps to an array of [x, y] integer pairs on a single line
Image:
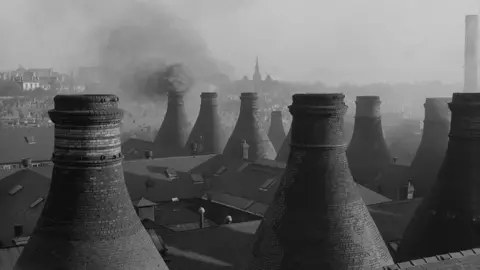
{"points": [[258, 181], [14, 148], [392, 183], [466, 259], [15, 209], [392, 218], [151, 172], [134, 148], [36, 183], [224, 247]]}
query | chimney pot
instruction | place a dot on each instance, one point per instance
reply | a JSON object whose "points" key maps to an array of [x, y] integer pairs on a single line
{"points": [[228, 219], [245, 148], [201, 210], [27, 162]]}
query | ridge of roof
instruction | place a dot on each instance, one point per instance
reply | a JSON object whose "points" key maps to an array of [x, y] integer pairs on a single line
{"points": [[170, 158], [442, 261]]}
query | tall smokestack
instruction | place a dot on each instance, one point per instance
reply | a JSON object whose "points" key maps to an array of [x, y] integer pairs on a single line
{"points": [[276, 132], [448, 219], [88, 221], [173, 134], [282, 154], [432, 149], [318, 219], [207, 136], [249, 128], [367, 152], [471, 58]]}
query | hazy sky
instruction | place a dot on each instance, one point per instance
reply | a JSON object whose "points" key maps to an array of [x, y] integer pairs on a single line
{"points": [[357, 41]]}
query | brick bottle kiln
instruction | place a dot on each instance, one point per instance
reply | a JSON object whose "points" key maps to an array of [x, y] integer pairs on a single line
{"points": [[367, 153], [207, 136], [318, 219], [282, 154], [448, 219], [249, 129], [433, 146], [276, 131], [175, 129], [88, 221]]}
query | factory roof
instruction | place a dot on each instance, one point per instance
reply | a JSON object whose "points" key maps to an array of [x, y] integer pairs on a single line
{"points": [[152, 179], [224, 247], [16, 147], [465, 259], [258, 181]]}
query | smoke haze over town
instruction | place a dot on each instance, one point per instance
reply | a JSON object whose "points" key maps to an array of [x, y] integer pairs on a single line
{"points": [[306, 40]]}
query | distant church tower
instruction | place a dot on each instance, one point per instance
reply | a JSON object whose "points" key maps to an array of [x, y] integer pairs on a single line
{"points": [[257, 78]]}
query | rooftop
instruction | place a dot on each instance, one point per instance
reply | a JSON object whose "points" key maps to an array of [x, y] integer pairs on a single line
{"points": [[21, 187], [16, 148], [466, 259], [258, 181]]}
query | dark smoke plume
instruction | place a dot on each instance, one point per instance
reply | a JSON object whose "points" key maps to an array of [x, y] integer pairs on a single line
{"points": [[150, 52]]}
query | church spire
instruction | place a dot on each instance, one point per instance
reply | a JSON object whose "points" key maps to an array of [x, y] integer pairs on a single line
{"points": [[257, 77]]}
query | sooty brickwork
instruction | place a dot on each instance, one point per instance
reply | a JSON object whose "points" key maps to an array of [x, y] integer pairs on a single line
{"points": [[448, 219], [432, 149], [276, 132], [318, 219], [367, 153], [282, 155], [207, 136], [249, 128], [88, 221], [175, 129]]}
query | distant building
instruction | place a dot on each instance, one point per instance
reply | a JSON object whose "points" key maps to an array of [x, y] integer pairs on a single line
{"points": [[256, 84], [45, 78]]}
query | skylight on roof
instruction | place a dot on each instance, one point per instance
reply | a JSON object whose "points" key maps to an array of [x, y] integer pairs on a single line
{"points": [[36, 202], [171, 174], [15, 190], [243, 166], [197, 178], [267, 184], [220, 171]]}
